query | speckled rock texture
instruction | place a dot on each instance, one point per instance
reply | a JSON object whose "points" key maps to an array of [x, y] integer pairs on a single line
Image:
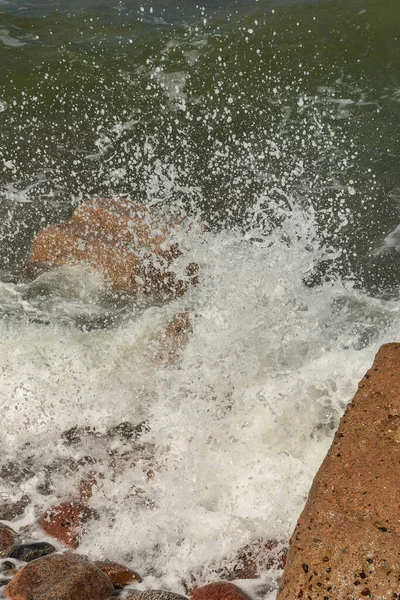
{"points": [[128, 243], [152, 595], [346, 544], [221, 590], [119, 575], [59, 577], [8, 537], [65, 522]]}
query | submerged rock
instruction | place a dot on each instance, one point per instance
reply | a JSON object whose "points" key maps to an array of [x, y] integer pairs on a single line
{"points": [[346, 542], [59, 577], [8, 537], [65, 522], [259, 557], [176, 337], [119, 575], [221, 590], [11, 510], [128, 243], [153, 595], [31, 551]]}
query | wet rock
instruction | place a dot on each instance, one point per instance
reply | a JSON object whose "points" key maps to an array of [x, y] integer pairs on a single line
{"points": [[128, 431], [28, 552], [65, 522], [6, 565], [8, 537], [75, 434], [176, 337], [128, 243], [11, 510], [222, 590], [59, 577], [259, 557], [119, 575], [13, 472], [346, 541], [87, 485], [8, 569], [152, 595]]}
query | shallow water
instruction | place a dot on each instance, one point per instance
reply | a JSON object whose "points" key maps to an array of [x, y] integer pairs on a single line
{"points": [[276, 124]]}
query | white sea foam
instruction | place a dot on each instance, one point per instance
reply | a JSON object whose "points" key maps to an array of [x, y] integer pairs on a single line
{"points": [[8, 40], [237, 428]]}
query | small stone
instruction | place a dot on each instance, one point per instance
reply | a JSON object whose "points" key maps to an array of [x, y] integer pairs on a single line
{"points": [[59, 577], [28, 552], [8, 537], [6, 565], [119, 575], [221, 590], [153, 595], [65, 522]]}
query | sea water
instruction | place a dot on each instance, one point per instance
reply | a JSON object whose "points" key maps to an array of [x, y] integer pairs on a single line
{"points": [[271, 127]]}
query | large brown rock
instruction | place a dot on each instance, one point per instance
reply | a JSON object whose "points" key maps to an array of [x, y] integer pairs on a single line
{"points": [[128, 243], [59, 577], [346, 544]]}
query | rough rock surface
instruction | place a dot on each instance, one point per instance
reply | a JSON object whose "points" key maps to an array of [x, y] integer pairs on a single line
{"points": [[128, 243], [59, 577], [222, 590], [153, 595], [259, 557], [30, 551], [8, 537], [346, 544], [65, 522], [119, 575]]}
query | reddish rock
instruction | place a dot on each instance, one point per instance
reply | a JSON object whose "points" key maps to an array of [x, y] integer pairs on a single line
{"points": [[347, 541], [87, 484], [8, 537], [128, 243], [221, 590], [118, 574], [59, 577], [176, 337], [258, 557], [65, 522]]}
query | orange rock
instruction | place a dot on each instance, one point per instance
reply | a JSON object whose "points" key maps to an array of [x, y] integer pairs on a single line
{"points": [[347, 541], [59, 577], [127, 243], [65, 521], [221, 590], [118, 574], [258, 557], [8, 537]]}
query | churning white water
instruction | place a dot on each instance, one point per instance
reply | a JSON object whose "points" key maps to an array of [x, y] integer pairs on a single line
{"points": [[234, 431]]}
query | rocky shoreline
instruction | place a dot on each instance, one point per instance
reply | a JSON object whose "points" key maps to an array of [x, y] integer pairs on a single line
{"points": [[345, 543]]}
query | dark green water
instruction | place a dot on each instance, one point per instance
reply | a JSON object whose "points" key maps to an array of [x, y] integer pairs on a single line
{"points": [[215, 109]]}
